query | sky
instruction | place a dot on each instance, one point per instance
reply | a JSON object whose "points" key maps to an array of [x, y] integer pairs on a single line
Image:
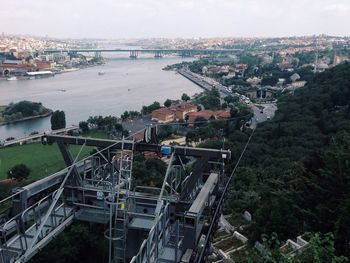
{"points": [[174, 18]]}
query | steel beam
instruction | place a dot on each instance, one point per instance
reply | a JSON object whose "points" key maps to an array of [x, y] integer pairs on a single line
{"points": [[139, 146]]}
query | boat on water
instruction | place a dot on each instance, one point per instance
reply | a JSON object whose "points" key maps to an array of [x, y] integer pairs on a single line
{"points": [[101, 73], [40, 74], [12, 78]]}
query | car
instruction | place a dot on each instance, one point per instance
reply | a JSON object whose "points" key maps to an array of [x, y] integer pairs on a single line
{"points": [[261, 111], [268, 118]]}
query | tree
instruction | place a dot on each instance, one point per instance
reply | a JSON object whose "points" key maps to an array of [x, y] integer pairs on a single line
{"points": [[167, 103], [19, 172], [200, 121], [269, 81], [320, 250], [118, 127], [231, 99], [148, 109], [58, 120], [84, 126], [125, 133], [185, 97], [165, 131], [125, 115]]}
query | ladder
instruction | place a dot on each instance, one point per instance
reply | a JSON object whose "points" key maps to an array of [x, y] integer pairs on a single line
{"points": [[125, 163]]}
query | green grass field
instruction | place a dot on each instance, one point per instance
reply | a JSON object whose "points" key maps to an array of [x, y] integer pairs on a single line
{"points": [[42, 160]]}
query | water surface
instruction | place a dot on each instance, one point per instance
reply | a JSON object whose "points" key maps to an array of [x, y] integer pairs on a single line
{"points": [[126, 85]]}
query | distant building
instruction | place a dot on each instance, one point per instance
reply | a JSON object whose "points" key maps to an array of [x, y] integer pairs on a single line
{"points": [[222, 114], [259, 93], [163, 115], [281, 81], [56, 57], [297, 84], [182, 109], [284, 65], [205, 114], [295, 77], [176, 112], [254, 81], [44, 65], [321, 67]]}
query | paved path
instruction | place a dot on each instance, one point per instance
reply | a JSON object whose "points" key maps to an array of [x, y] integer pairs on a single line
{"points": [[37, 136]]}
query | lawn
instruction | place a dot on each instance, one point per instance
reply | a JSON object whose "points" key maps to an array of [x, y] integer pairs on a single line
{"points": [[42, 160]]}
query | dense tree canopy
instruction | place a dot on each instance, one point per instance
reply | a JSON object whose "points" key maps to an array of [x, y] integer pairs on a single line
{"points": [[58, 120], [23, 109], [185, 97], [300, 164], [148, 109], [210, 99]]}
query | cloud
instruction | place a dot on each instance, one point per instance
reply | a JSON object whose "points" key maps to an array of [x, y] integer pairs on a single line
{"points": [[339, 8], [175, 18]]}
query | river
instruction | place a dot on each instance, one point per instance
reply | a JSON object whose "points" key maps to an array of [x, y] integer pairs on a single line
{"points": [[126, 85]]}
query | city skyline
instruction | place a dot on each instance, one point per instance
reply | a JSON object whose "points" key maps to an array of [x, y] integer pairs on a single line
{"points": [[173, 19]]}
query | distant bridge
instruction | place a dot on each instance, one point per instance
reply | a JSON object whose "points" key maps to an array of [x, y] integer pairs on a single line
{"points": [[157, 52]]}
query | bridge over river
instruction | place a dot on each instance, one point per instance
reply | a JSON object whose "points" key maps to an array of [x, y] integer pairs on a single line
{"points": [[157, 52]]}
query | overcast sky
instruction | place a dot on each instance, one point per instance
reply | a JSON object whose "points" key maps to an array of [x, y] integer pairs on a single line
{"points": [[174, 18]]}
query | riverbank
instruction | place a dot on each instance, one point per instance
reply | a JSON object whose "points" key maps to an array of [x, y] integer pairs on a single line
{"points": [[126, 85], [191, 77], [22, 111], [55, 71], [28, 118]]}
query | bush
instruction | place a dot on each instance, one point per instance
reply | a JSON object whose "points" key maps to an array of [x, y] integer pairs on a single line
{"points": [[19, 172], [84, 126]]}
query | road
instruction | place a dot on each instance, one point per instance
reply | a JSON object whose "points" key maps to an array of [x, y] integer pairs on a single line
{"points": [[262, 112], [136, 125], [205, 83], [36, 136]]}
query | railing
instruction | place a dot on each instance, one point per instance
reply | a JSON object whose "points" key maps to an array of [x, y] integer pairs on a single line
{"points": [[156, 240], [31, 218]]}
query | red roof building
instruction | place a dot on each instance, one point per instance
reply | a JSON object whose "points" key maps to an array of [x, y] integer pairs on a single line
{"points": [[163, 115], [182, 109], [222, 114], [205, 114]]}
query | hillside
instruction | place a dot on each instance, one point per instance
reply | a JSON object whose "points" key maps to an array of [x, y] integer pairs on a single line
{"points": [[295, 176]]}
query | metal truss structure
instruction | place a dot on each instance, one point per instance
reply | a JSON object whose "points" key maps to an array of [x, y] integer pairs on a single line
{"points": [[100, 189]]}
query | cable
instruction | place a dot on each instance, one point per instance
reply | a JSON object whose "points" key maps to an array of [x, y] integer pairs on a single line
{"points": [[201, 256]]}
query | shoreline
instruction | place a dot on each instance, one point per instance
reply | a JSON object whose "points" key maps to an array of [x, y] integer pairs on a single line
{"points": [[14, 134], [66, 70], [49, 113]]}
